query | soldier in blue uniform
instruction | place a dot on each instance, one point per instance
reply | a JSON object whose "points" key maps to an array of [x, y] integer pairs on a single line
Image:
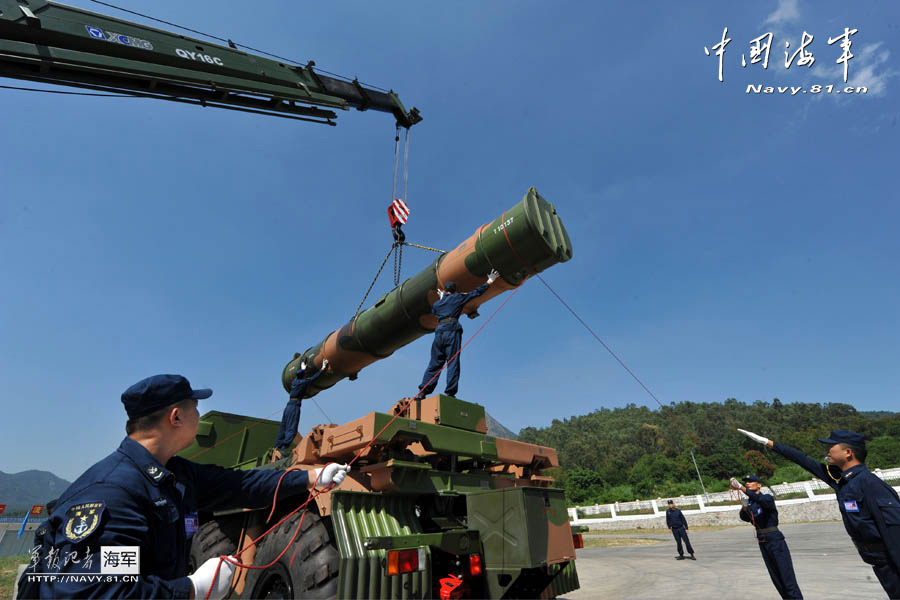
{"points": [[678, 526], [759, 509], [138, 497], [448, 336], [290, 420], [869, 507]]}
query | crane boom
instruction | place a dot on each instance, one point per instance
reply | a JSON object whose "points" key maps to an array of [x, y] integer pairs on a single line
{"points": [[53, 43]]}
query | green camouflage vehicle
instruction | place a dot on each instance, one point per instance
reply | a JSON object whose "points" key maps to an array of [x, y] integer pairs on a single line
{"points": [[434, 506]]}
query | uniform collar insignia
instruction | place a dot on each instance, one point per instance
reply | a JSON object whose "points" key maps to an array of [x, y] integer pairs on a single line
{"points": [[851, 472], [155, 473], [144, 461]]}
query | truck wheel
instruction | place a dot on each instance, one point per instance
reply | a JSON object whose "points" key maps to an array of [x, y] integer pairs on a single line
{"points": [[308, 569], [214, 538]]}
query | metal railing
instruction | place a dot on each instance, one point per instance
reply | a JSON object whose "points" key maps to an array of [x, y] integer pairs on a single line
{"points": [[647, 509]]}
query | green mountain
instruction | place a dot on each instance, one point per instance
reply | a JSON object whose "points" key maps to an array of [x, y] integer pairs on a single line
{"points": [[21, 491], [633, 452], [497, 430]]}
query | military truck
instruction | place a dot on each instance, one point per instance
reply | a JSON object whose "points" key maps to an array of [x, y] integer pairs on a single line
{"points": [[434, 506]]}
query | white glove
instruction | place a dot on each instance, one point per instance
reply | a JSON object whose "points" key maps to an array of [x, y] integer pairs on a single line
{"points": [[202, 579], [324, 363], [756, 438], [735, 484], [441, 294], [745, 500], [333, 473], [493, 275]]}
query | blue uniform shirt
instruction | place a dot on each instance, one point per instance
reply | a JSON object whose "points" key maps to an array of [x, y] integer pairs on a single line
{"points": [[130, 499], [760, 510], [675, 518], [451, 305], [298, 385], [869, 507]]}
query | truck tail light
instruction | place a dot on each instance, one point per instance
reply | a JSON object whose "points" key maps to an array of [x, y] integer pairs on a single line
{"points": [[405, 561], [578, 540], [475, 565]]}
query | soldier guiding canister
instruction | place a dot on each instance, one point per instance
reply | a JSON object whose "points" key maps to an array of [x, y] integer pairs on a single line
{"points": [[448, 336]]}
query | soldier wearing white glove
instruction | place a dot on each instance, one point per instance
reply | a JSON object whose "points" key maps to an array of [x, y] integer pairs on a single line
{"points": [[447, 341], [757, 438], [331, 473], [202, 579]]}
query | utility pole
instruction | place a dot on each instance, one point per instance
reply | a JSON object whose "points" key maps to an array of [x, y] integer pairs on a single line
{"points": [[703, 487]]}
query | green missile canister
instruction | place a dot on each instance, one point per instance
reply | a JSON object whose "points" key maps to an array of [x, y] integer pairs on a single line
{"points": [[526, 239]]}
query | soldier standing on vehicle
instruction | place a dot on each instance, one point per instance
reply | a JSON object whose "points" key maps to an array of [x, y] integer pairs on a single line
{"points": [[759, 509], [138, 496], [869, 507], [290, 420], [678, 527], [448, 336]]}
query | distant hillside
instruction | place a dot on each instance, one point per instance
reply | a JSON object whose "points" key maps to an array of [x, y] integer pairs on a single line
{"points": [[877, 414], [497, 430], [24, 490], [630, 452]]}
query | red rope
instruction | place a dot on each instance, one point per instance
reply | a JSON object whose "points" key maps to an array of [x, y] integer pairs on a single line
{"points": [[317, 492]]}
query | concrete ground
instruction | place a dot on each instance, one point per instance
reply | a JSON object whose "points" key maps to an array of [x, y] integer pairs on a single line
{"points": [[728, 565]]}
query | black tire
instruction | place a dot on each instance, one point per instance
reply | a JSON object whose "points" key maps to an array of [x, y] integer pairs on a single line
{"points": [[214, 538], [313, 571]]}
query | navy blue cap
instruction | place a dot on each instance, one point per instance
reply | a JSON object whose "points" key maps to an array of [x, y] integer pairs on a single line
{"points": [[450, 287], [752, 478], [159, 391], [842, 436]]}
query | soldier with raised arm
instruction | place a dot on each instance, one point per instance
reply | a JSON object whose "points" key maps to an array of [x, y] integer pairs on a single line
{"points": [[448, 336], [869, 507], [759, 510]]}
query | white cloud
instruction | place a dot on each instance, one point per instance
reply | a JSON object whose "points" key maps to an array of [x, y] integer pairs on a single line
{"points": [[868, 68], [786, 12], [872, 72]]}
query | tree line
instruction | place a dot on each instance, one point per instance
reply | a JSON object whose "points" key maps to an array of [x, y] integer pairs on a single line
{"points": [[621, 454]]}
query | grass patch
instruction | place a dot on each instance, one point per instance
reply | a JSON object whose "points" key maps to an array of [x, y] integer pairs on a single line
{"points": [[8, 567], [790, 496], [581, 515], [605, 542], [645, 511], [605, 532]]}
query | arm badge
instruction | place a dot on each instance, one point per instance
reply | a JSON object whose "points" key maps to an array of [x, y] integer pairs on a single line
{"points": [[82, 520]]}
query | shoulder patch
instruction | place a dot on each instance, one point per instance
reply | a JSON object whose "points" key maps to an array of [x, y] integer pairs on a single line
{"points": [[82, 520]]}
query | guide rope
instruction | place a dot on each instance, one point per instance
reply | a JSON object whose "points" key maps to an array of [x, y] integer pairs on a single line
{"points": [[663, 408], [316, 492]]}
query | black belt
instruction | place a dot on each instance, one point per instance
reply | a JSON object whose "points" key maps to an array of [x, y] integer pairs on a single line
{"points": [[870, 546], [447, 320], [767, 530]]}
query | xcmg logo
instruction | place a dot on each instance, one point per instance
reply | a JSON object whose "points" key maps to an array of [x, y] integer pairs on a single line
{"points": [[118, 38]]}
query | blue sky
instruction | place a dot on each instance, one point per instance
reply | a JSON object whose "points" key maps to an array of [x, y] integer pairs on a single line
{"points": [[726, 244]]}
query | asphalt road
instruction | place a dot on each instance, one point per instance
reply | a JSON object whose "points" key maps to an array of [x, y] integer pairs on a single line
{"points": [[728, 565]]}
